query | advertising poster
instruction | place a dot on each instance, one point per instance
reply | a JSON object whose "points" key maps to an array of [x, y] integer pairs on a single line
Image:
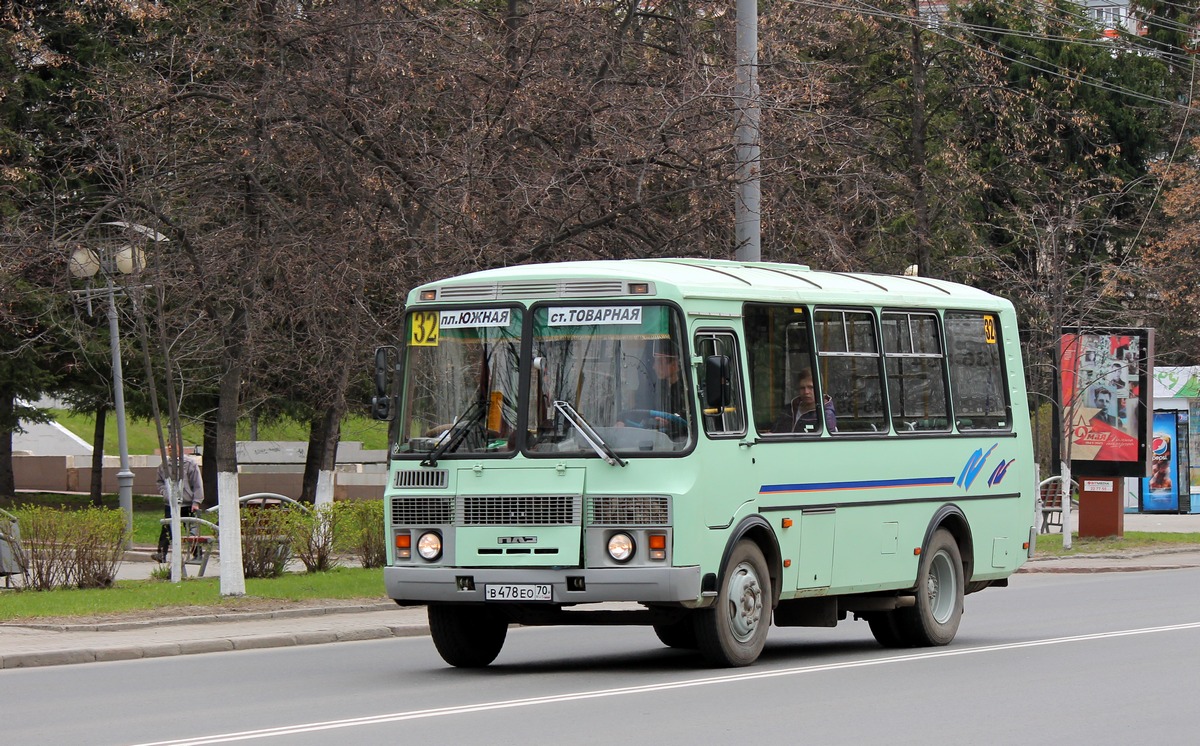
{"points": [[1160, 492], [1104, 388], [1194, 445]]}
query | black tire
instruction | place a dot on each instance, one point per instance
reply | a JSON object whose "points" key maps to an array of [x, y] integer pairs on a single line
{"points": [[934, 619], [887, 629], [680, 635], [467, 636], [733, 632]]}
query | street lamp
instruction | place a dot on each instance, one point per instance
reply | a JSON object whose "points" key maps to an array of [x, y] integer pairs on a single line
{"points": [[128, 259]]}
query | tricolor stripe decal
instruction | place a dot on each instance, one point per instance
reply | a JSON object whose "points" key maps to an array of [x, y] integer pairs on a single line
{"points": [[869, 484]]}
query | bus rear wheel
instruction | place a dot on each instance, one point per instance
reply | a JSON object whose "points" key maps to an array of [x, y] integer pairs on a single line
{"points": [[467, 636], [733, 632], [934, 619]]}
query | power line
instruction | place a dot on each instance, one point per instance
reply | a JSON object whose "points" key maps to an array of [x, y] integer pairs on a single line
{"points": [[1003, 51]]}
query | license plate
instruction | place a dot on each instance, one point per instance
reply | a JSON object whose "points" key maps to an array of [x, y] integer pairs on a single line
{"points": [[512, 592]]}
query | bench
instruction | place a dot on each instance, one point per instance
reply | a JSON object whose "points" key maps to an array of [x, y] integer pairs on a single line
{"points": [[197, 548], [1050, 502]]}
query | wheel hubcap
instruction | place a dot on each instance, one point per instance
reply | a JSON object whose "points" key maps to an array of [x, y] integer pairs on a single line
{"points": [[941, 588], [745, 602]]}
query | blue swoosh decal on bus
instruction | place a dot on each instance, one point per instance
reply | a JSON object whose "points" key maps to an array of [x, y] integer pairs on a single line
{"points": [[974, 464], [869, 484]]}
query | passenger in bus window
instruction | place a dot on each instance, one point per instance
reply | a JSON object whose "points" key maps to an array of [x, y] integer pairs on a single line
{"points": [[800, 415]]}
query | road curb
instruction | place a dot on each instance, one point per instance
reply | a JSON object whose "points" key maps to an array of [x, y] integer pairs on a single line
{"points": [[235, 616], [1101, 568], [215, 645]]}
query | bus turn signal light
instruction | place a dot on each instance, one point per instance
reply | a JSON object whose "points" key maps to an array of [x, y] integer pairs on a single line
{"points": [[404, 546], [658, 546]]}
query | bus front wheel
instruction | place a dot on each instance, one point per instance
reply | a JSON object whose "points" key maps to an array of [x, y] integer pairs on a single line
{"points": [[467, 636], [680, 634], [733, 632], [887, 629]]}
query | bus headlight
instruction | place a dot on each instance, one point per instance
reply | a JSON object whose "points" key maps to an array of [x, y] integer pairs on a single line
{"points": [[429, 546], [620, 547]]}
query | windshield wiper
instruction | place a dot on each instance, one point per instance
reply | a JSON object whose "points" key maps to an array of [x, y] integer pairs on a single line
{"points": [[458, 431], [588, 433]]}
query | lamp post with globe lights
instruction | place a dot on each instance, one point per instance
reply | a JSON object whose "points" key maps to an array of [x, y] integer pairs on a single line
{"points": [[86, 263]]}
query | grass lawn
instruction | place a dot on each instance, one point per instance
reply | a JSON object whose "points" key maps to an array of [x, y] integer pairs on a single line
{"points": [[132, 596], [1050, 545], [139, 595]]}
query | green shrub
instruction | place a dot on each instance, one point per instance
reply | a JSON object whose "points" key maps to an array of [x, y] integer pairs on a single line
{"points": [[266, 541], [364, 532], [99, 546], [315, 535], [70, 548]]}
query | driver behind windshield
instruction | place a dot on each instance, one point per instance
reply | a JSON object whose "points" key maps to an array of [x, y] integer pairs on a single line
{"points": [[662, 400]]}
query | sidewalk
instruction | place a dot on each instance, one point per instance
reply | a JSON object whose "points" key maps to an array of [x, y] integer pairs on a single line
{"points": [[1131, 561], [28, 645], [35, 645], [25, 645]]}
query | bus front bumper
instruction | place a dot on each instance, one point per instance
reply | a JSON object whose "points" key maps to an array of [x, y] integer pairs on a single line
{"points": [[567, 585]]}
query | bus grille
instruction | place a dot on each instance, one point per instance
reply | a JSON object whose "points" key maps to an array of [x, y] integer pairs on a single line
{"points": [[420, 479], [585, 288], [520, 510], [629, 510], [422, 511]]}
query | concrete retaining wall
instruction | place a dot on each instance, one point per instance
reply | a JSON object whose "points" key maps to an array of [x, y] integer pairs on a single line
{"points": [[262, 467]]}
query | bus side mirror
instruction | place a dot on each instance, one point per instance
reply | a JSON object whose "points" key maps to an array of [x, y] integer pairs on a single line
{"points": [[381, 403], [717, 391]]}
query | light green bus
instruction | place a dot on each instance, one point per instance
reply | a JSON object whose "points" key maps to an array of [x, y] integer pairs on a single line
{"points": [[703, 447]]}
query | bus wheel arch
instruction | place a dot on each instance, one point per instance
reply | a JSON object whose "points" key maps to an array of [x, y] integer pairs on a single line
{"points": [[755, 528], [951, 518]]}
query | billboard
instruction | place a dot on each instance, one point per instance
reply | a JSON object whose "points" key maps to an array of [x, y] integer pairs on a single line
{"points": [[1105, 389], [1160, 493]]}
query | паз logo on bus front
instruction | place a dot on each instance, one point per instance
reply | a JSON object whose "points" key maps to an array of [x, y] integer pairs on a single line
{"points": [[1161, 444], [516, 540]]}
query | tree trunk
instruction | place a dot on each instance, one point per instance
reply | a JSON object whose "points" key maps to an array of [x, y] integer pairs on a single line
{"points": [[208, 462], [233, 579], [8, 407], [312, 458], [97, 487]]}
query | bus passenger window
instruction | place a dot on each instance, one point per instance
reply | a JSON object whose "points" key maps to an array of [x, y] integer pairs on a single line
{"points": [[979, 393], [729, 420], [916, 380], [850, 368], [782, 384]]}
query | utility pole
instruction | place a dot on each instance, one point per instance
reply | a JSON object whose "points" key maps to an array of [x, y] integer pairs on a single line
{"points": [[748, 207]]}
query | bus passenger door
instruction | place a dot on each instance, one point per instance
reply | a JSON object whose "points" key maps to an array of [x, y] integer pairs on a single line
{"points": [[723, 418], [816, 548]]}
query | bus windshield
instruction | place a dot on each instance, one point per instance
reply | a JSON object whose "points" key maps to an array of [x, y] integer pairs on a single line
{"points": [[623, 368], [461, 382]]}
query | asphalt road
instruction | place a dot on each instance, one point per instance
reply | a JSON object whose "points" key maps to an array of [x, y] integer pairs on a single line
{"points": [[1096, 658]]}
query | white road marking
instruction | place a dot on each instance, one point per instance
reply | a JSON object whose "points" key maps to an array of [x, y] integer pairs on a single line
{"points": [[397, 717]]}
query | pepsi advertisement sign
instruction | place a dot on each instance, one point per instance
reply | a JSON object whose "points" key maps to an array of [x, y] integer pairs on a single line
{"points": [[1160, 492]]}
